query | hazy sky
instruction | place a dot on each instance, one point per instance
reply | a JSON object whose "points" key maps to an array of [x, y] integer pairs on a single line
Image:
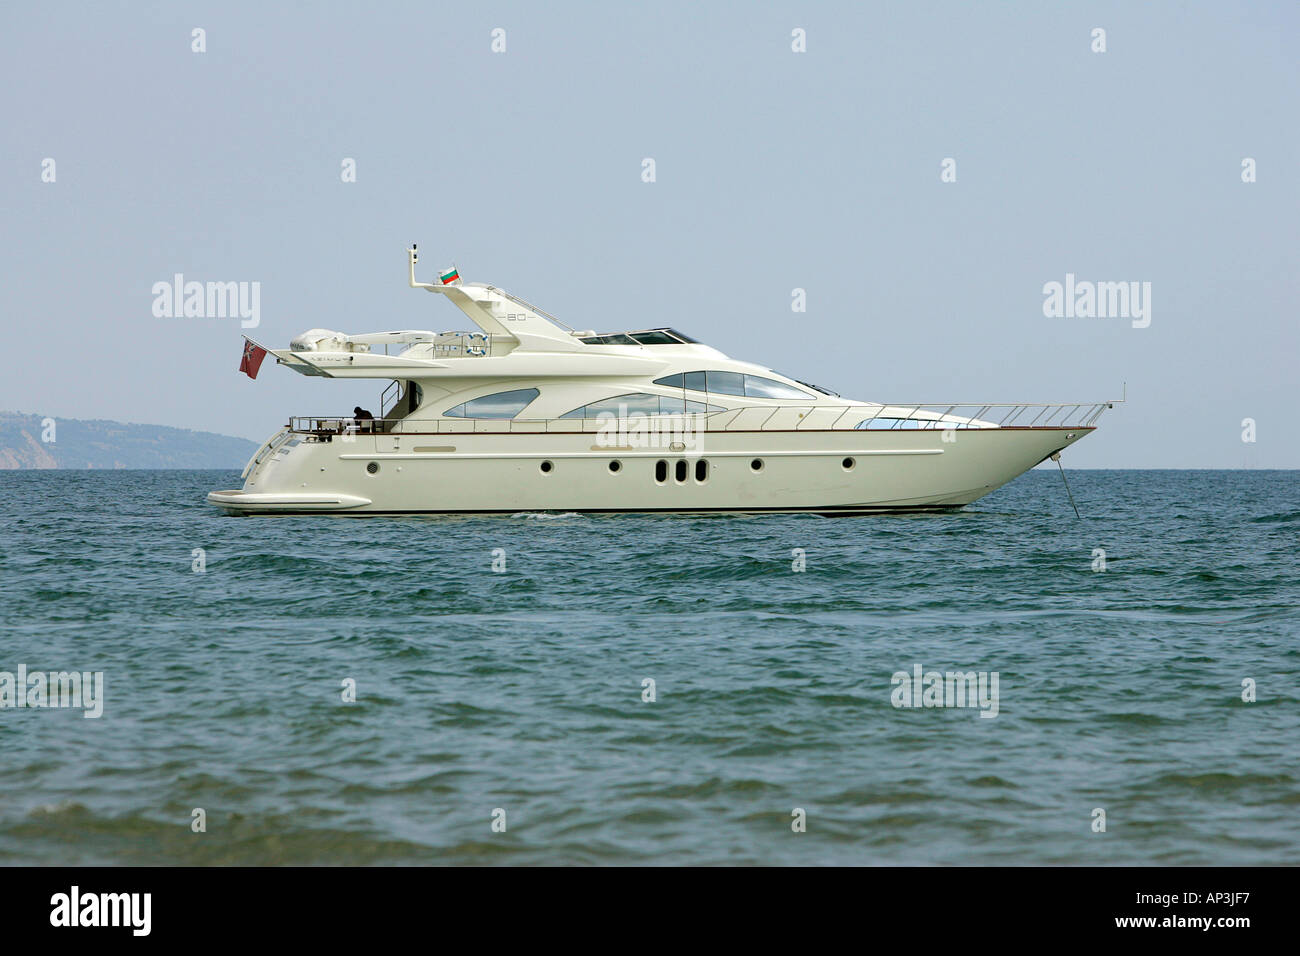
{"points": [[774, 170]]}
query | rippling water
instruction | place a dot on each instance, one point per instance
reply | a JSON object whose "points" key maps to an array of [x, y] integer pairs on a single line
{"points": [[522, 690]]}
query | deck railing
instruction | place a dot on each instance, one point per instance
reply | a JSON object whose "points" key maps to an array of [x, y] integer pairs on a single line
{"points": [[929, 416]]}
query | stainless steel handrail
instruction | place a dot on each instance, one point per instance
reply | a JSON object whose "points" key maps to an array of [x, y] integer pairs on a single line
{"points": [[271, 445], [932, 416], [528, 305]]}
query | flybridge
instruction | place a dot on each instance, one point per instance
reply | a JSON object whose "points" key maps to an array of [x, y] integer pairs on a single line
{"points": [[507, 323], [497, 312]]}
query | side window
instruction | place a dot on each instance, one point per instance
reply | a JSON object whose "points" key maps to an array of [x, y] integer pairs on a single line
{"points": [[639, 403], [499, 405], [669, 405], [636, 403], [758, 387], [733, 383], [726, 383], [633, 403]]}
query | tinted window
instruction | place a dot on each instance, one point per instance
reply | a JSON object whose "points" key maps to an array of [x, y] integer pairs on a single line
{"points": [[636, 403], [683, 336], [758, 387], [654, 338], [733, 383], [639, 403], [618, 338], [818, 388], [726, 383], [500, 405], [675, 406]]}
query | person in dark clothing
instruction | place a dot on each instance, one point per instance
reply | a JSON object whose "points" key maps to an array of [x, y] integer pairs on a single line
{"points": [[365, 421]]}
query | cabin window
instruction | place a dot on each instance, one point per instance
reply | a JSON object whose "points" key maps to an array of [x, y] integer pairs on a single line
{"points": [[758, 387], [726, 383], [661, 471], [701, 471], [733, 383], [498, 405], [676, 406], [681, 470], [633, 403], [816, 388], [640, 403]]}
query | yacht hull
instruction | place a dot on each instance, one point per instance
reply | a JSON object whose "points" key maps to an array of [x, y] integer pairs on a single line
{"points": [[827, 472]]}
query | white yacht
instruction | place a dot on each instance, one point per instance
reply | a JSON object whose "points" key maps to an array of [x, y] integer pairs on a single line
{"points": [[526, 414]]}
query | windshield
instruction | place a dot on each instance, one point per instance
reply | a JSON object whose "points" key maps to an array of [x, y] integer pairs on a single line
{"points": [[645, 337]]}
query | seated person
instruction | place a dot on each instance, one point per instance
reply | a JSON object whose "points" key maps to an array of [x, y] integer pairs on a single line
{"points": [[365, 421]]}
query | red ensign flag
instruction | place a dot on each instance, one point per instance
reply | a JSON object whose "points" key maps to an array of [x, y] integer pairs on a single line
{"points": [[252, 360]]}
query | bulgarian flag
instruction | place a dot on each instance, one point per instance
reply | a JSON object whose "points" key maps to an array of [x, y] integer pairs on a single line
{"points": [[450, 276]]}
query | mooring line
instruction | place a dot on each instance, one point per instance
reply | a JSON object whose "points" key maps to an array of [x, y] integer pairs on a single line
{"points": [[1057, 458]]}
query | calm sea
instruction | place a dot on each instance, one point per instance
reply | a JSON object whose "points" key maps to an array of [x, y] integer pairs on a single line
{"points": [[518, 696]]}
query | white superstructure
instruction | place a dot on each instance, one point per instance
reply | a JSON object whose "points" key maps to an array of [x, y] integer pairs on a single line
{"points": [[525, 414]]}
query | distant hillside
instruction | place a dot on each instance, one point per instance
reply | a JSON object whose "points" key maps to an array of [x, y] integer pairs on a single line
{"points": [[104, 444]]}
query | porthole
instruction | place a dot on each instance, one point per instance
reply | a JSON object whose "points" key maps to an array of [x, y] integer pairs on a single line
{"points": [[701, 471], [615, 467], [756, 464], [661, 471], [681, 470], [547, 468], [847, 464], [373, 467]]}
